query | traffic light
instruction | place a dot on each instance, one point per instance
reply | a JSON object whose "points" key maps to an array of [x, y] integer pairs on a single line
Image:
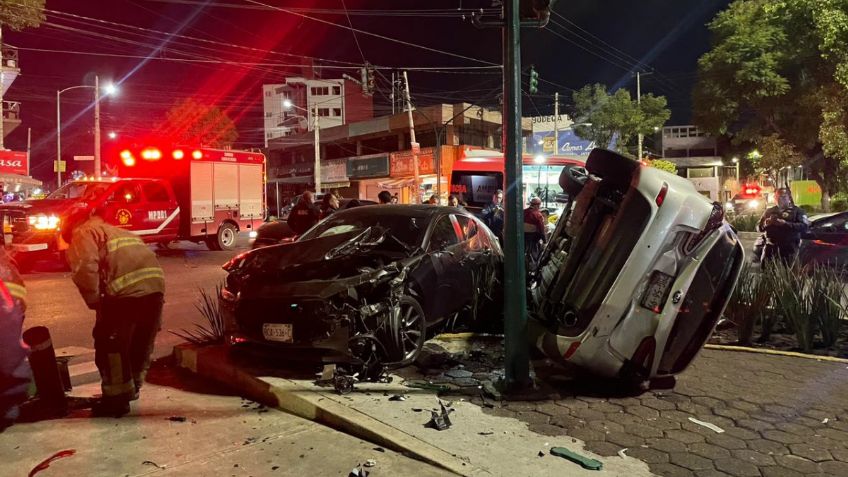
{"points": [[534, 80], [368, 81]]}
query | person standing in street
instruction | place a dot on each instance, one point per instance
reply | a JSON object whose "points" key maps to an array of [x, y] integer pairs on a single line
{"points": [[384, 197], [14, 368], [120, 278], [783, 225], [329, 204], [493, 215], [304, 214], [534, 230], [453, 201]]}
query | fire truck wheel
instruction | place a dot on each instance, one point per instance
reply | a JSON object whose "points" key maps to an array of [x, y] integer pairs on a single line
{"points": [[225, 239]]}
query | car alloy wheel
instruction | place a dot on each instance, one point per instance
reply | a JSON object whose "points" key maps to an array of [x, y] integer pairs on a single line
{"points": [[410, 331]]}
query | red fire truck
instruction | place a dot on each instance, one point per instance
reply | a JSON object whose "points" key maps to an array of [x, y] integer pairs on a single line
{"points": [[161, 194]]}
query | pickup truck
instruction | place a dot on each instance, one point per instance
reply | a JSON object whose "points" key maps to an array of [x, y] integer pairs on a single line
{"points": [[204, 195]]}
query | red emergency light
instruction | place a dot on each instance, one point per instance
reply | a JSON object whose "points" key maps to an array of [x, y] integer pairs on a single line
{"points": [[178, 154], [197, 154], [151, 154], [127, 158], [752, 189]]}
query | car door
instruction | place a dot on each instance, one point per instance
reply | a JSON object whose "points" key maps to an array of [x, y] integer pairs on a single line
{"points": [[477, 260], [161, 220], [443, 248], [829, 242], [124, 206]]}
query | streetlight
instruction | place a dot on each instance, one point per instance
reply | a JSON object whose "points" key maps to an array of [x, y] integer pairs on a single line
{"points": [[736, 162], [108, 90], [288, 104], [113, 135]]}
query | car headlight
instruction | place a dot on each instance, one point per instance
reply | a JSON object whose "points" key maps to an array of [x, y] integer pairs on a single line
{"points": [[753, 204], [43, 222]]}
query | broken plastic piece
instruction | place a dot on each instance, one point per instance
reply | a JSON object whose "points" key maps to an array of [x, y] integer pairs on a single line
{"points": [[154, 464], [398, 397], [622, 454], [342, 383], [708, 425], [825, 420], [358, 471], [370, 463], [541, 454], [585, 462], [440, 420], [46, 462], [177, 419]]}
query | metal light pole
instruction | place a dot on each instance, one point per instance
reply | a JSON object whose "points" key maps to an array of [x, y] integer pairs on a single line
{"points": [[288, 104], [110, 90], [516, 354], [96, 126], [58, 141]]}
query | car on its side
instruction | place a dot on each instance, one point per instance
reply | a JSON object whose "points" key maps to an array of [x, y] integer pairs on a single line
{"points": [[364, 285], [275, 231], [636, 274]]}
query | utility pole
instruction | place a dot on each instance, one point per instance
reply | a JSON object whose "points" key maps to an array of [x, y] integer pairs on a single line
{"points": [[516, 354], [556, 123], [58, 140], [316, 130], [2, 87], [97, 126], [639, 103], [29, 150], [412, 143]]}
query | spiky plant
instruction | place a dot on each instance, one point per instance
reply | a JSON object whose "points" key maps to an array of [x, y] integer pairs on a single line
{"points": [[748, 302], [828, 302], [794, 299], [213, 331]]}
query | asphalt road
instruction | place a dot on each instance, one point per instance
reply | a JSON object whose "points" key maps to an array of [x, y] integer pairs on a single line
{"points": [[54, 302]]}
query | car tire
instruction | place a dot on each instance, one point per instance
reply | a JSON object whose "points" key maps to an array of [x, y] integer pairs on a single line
{"points": [[572, 179], [407, 340], [225, 239]]}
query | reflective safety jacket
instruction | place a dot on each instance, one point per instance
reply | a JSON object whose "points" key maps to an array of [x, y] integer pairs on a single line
{"points": [[14, 368], [109, 261], [12, 280]]}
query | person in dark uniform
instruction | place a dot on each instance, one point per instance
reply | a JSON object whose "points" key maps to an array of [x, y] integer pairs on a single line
{"points": [[493, 215], [304, 214], [783, 225]]}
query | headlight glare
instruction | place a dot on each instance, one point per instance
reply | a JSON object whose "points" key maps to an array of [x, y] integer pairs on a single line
{"points": [[44, 222]]}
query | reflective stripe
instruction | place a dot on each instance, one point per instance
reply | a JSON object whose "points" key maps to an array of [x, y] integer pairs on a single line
{"points": [[17, 291], [132, 278], [121, 242]]}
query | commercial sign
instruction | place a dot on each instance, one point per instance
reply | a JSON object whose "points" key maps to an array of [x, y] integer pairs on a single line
{"points": [[333, 171], [549, 123], [402, 163], [13, 162], [368, 166], [569, 144], [83, 158]]}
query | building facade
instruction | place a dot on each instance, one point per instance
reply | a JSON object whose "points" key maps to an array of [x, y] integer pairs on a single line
{"points": [[335, 101], [697, 156]]}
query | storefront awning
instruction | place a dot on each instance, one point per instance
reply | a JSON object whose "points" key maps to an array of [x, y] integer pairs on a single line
{"points": [[335, 185], [410, 181], [19, 179], [294, 180]]}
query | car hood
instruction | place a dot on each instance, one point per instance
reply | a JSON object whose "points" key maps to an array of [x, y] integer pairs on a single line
{"points": [[43, 206]]}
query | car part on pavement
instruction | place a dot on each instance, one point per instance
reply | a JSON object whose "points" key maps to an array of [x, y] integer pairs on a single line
{"points": [[585, 462], [440, 420]]}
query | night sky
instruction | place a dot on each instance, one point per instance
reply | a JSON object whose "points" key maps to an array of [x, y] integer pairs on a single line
{"points": [[587, 41]]}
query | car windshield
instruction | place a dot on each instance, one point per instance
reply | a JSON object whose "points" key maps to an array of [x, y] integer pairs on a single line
{"points": [[409, 230], [80, 190]]}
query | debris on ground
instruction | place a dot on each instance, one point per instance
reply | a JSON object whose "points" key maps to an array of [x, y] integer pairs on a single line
{"points": [[708, 425], [370, 463], [622, 454], [485, 433], [825, 420], [343, 383], [440, 420], [379, 449], [177, 419], [154, 464], [585, 462], [398, 397], [541, 454], [46, 462], [429, 386], [358, 471]]}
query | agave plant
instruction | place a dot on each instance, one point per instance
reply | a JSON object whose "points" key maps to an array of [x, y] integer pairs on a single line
{"points": [[213, 331], [749, 300], [793, 297], [828, 302]]}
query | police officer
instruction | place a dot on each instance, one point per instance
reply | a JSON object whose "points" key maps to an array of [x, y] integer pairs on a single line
{"points": [[14, 368], [783, 225], [119, 277]]}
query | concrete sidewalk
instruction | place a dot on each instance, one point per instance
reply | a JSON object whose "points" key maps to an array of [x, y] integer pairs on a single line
{"points": [[477, 444], [220, 436]]}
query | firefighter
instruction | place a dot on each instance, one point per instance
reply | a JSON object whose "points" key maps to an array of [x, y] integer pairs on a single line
{"points": [[14, 368], [783, 225], [119, 277], [304, 214]]}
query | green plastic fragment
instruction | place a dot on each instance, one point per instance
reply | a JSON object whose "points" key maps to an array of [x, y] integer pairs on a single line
{"points": [[585, 462]]}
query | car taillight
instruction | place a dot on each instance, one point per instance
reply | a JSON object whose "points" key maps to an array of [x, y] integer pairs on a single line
{"points": [[714, 222], [661, 196]]}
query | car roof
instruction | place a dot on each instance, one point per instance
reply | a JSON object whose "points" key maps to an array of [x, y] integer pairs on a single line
{"points": [[403, 210]]}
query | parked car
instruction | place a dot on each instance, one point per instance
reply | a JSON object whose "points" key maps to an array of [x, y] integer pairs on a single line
{"points": [[635, 277], [274, 232], [827, 241], [365, 284]]}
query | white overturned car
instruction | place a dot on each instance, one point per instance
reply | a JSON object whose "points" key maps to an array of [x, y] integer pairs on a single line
{"points": [[636, 274]]}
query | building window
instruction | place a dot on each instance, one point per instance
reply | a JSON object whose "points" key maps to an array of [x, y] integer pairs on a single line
{"points": [[320, 91], [323, 112], [337, 112], [267, 94], [268, 114], [337, 90]]}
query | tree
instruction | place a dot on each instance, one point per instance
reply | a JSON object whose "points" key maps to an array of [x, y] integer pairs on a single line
{"points": [[777, 77], [663, 165], [20, 14], [191, 123], [773, 154], [604, 117]]}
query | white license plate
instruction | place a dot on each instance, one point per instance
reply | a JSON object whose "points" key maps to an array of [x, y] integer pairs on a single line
{"points": [[657, 292], [278, 332]]}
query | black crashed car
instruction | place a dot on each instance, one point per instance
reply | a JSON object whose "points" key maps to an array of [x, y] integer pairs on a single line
{"points": [[273, 232], [826, 242], [364, 285]]}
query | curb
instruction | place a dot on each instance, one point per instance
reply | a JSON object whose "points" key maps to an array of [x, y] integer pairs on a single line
{"points": [[213, 362], [774, 352]]}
